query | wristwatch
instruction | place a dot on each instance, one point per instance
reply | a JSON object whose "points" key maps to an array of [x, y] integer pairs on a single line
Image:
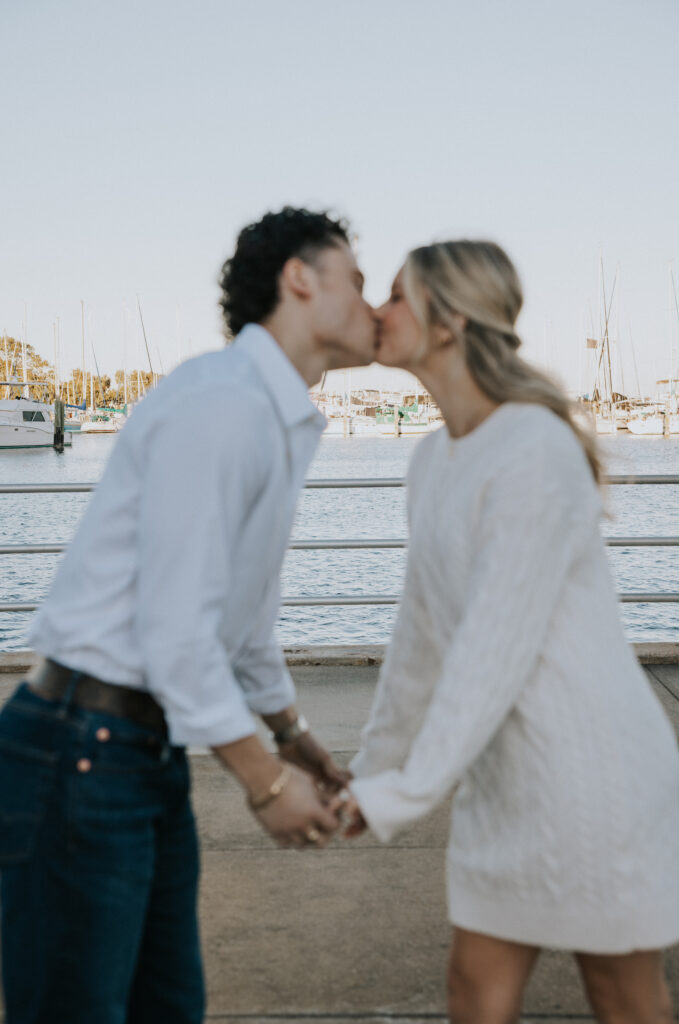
{"points": [[292, 732]]}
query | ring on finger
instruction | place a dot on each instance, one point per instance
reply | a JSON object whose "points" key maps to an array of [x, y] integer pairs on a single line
{"points": [[313, 835]]}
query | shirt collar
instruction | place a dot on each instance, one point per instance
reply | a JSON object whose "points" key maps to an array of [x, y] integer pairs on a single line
{"points": [[284, 383]]}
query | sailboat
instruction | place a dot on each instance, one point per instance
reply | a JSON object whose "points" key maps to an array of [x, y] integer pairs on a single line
{"points": [[661, 419], [604, 398]]}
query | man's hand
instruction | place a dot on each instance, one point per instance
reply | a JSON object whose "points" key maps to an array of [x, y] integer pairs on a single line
{"points": [[299, 816], [311, 757]]}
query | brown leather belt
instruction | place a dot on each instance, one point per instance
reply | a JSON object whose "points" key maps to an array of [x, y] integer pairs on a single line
{"points": [[93, 694]]}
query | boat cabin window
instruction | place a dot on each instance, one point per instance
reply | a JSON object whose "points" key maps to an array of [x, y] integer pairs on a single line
{"points": [[35, 416]]}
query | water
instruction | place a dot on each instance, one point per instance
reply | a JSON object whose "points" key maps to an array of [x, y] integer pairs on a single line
{"points": [[324, 514]]}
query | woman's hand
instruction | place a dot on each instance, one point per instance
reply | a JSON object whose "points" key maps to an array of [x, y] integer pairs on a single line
{"points": [[346, 808]]}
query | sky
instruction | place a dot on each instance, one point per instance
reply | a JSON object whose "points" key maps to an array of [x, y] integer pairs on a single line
{"points": [[139, 137]]}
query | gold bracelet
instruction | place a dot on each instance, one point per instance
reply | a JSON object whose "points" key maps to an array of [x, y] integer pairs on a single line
{"points": [[275, 789]]}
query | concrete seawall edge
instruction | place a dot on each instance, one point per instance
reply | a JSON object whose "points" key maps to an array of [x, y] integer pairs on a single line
{"points": [[659, 653]]}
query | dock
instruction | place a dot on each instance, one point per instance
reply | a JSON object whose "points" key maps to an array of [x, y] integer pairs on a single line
{"points": [[356, 933]]}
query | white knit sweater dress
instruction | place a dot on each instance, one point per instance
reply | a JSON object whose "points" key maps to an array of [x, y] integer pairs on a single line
{"points": [[509, 680]]}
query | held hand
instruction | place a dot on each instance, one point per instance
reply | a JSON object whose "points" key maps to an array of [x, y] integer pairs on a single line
{"points": [[310, 756], [345, 806], [298, 816]]}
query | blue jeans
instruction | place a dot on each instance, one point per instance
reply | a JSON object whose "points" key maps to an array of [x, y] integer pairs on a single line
{"points": [[99, 870]]}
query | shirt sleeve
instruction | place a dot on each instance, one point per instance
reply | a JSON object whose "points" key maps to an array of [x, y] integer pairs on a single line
{"points": [[260, 666], [198, 486], [527, 538]]}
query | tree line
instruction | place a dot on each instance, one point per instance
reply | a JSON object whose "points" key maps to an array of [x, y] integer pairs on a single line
{"points": [[107, 391]]}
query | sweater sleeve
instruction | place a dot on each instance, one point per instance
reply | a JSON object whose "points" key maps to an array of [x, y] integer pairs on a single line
{"points": [[526, 540], [399, 706]]}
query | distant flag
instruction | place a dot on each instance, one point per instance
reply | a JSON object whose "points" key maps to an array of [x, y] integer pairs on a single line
{"points": [[592, 343]]}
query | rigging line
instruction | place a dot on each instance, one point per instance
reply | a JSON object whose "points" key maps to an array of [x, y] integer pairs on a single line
{"points": [[607, 313], [603, 328], [634, 359], [676, 306], [144, 333], [98, 374], [608, 340], [674, 289]]}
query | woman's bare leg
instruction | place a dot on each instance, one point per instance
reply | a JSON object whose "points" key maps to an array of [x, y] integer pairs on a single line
{"points": [[627, 989], [486, 978]]}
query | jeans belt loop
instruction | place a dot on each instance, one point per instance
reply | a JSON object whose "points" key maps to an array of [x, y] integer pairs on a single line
{"points": [[69, 696]]}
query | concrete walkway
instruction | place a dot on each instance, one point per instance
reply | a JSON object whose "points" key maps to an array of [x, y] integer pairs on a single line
{"points": [[355, 933]]}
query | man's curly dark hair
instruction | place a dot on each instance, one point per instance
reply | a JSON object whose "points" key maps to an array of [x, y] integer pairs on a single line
{"points": [[249, 279]]}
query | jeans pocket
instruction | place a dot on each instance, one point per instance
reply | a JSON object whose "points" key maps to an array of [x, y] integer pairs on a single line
{"points": [[26, 774]]}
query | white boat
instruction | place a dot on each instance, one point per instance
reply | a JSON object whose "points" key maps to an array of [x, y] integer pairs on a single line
{"points": [[606, 425], [351, 426], [650, 426], [406, 427], [74, 416], [99, 423], [26, 422], [339, 426]]}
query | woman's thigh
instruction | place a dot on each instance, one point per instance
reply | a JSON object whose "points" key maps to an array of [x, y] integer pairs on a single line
{"points": [[487, 977], [627, 989]]}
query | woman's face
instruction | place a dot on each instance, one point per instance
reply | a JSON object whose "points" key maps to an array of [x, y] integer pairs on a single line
{"points": [[399, 335]]}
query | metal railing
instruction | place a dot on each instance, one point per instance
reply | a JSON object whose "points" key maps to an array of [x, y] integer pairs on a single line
{"points": [[306, 600]]}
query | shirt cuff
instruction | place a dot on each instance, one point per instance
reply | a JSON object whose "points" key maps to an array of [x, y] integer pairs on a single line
{"points": [[381, 804], [214, 727], [359, 766], [272, 699]]}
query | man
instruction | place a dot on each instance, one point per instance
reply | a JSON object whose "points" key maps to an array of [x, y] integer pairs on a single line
{"points": [[158, 635]]}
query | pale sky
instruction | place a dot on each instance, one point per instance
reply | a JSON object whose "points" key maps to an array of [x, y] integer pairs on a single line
{"points": [[139, 137]]}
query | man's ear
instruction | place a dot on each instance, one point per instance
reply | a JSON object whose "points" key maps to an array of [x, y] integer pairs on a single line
{"points": [[297, 278]]}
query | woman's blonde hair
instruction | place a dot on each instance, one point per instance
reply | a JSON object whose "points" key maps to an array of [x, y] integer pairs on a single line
{"points": [[478, 281]]}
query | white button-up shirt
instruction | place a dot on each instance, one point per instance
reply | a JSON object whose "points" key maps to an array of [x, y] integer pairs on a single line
{"points": [[171, 583]]}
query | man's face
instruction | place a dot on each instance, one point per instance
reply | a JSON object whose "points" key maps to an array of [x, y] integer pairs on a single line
{"points": [[343, 323]]}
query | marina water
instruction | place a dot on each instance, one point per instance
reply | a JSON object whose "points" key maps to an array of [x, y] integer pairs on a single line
{"points": [[343, 514]]}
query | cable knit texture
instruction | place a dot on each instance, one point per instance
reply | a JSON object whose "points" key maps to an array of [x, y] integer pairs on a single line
{"points": [[509, 681]]}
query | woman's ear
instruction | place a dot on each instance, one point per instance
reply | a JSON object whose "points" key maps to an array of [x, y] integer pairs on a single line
{"points": [[442, 336], [458, 325], [448, 334]]}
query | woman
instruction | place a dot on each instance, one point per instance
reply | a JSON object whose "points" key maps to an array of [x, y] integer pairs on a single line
{"points": [[509, 679]]}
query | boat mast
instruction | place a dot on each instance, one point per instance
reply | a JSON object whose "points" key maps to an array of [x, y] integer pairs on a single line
{"points": [[670, 335], [618, 336], [604, 369], [24, 342], [54, 325], [676, 303], [82, 320], [124, 354]]}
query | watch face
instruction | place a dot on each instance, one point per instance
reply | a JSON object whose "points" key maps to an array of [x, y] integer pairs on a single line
{"points": [[293, 731]]}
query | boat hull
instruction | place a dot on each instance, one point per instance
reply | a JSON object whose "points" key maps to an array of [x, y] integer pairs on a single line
{"points": [[652, 426], [99, 428], [19, 436]]}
